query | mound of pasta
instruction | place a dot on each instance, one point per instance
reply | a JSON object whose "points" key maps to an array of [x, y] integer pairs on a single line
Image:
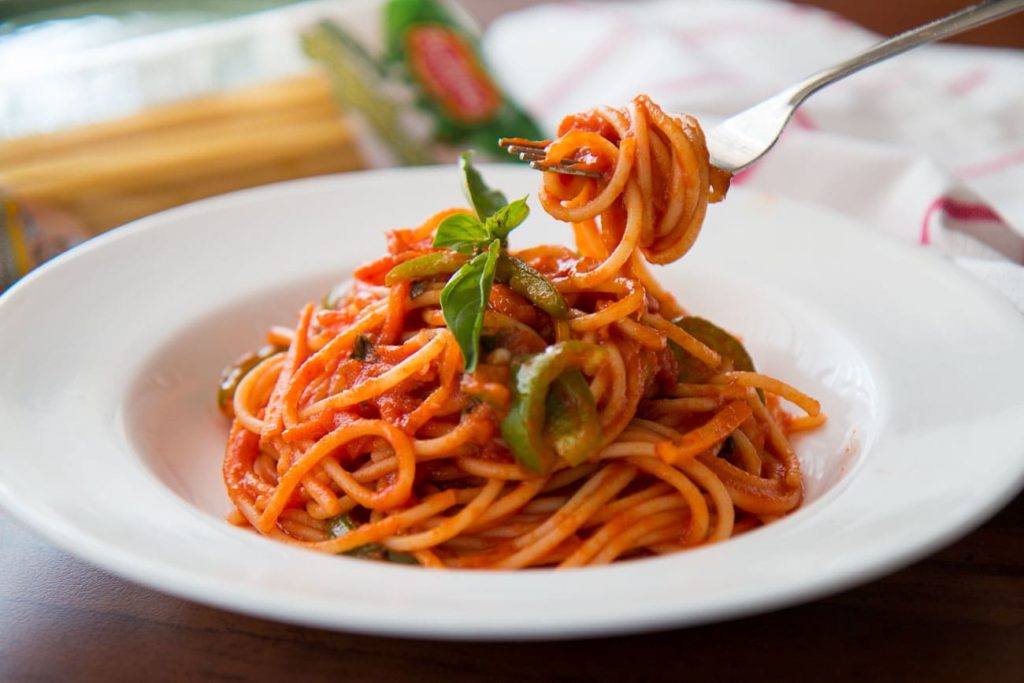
{"points": [[462, 404]]}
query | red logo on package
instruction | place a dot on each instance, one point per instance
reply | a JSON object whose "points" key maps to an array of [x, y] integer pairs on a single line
{"points": [[447, 68]]}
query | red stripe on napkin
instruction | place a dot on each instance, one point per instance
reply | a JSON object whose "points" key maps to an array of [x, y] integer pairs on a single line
{"points": [[968, 81], [958, 210], [975, 216], [990, 165]]}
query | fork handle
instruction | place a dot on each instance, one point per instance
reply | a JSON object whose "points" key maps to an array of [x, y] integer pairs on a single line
{"points": [[957, 22]]}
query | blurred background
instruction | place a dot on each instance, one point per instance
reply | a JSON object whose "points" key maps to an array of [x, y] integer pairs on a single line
{"points": [[111, 110]]}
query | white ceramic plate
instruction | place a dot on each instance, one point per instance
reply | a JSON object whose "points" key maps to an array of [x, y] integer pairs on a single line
{"points": [[111, 443]]}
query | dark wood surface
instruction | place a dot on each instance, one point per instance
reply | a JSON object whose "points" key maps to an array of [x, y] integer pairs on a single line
{"points": [[885, 17], [888, 18], [957, 616]]}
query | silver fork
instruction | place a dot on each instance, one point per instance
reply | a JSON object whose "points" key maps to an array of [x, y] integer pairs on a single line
{"points": [[744, 138]]}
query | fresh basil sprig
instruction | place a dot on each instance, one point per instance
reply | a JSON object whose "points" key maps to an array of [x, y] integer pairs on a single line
{"points": [[464, 301], [464, 298], [462, 232], [485, 200], [508, 217]]}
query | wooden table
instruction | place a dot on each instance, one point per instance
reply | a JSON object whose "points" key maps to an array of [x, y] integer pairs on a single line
{"points": [[957, 616]]}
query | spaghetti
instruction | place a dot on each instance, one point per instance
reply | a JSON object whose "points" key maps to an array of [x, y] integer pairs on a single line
{"points": [[588, 420]]}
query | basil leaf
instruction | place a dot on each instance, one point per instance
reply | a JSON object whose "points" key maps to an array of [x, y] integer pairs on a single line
{"points": [[464, 300], [484, 200], [461, 232], [506, 218]]}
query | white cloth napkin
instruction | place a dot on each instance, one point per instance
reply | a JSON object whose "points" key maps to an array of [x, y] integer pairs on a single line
{"points": [[928, 146]]}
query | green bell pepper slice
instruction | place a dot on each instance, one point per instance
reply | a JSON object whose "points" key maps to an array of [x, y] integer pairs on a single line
{"points": [[535, 441], [233, 375], [436, 263], [525, 281], [693, 371], [343, 523], [572, 423]]}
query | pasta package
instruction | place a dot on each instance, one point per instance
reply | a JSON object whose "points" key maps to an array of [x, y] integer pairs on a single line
{"points": [[130, 127], [417, 84]]}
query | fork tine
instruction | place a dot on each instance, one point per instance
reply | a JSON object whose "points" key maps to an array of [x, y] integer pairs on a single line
{"points": [[526, 156], [567, 170], [534, 152], [529, 151]]}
